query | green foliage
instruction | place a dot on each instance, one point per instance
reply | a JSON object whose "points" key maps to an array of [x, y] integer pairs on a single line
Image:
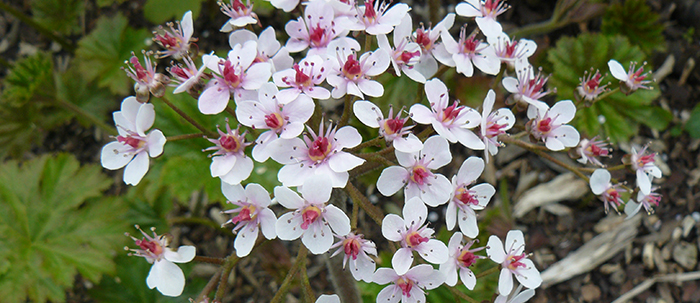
{"points": [[102, 53], [62, 16], [103, 3], [160, 11], [622, 114], [55, 224], [635, 20], [693, 124]]}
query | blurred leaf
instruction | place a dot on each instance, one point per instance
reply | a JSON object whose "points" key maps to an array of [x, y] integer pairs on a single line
{"points": [[160, 11], [56, 225], [103, 3], [693, 124], [72, 88], [27, 77], [62, 16], [102, 53], [573, 56], [635, 20]]}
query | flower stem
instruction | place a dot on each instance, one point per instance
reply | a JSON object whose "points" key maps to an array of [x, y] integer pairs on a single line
{"points": [[185, 136], [90, 117], [353, 219], [373, 142], [488, 271], [284, 288], [230, 262], [209, 287], [543, 154], [41, 29], [211, 260], [189, 119], [347, 108], [358, 198], [201, 221], [308, 292], [462, 295]]}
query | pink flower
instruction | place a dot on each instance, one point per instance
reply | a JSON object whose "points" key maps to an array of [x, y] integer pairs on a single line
{"points": [[238, 75], [316, 30], [469, 52], [430, 48], [485, 12], [357, 250], [303, 78], [378, 18], [465, 200], [632, 80], [251, 215], [268, 48], [187, 78], [133, 146], [513, 53], [164, 275], [514, 261], [317, 155], [409, 287], [392, 129], [608, 193], [229, 161], [414, 235], [312, 219], [460, 259], [645, 169], [284, 121], [528, 87], [416, 173], [591, 150], [590, 87], [147, 80], [494, 124], [348, 75], [176, 41], [648, 201], [405, 54], [550, 125], [240, 14], [451, 122]]}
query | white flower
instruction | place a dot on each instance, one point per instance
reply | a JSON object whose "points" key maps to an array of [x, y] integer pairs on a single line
{"points": [[485, 12], [632, 208], [378, 18], [350, 75], [469, 52], [431, 48], [416, 173], [518, 296], [464, 200], [409, 287], [268, 48], [550, 125], [312, 219], [451, 122], [251, 216], [461, 258], [414, 236], [405, 54], [229, 161], [240, 14], [176, 41], [303, 78], [513, 53], [392, 129], [645, 169], [328, 299], [494, 124], [320, 154], [357, 250], [528, 87], [164, 275], [315, 30], [632, 79], [133, 146], [607, 192], [513, 261]]}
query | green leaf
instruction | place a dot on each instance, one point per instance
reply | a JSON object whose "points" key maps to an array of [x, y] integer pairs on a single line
{"points": [[103, 3], [160, 11], [102, 53], [28, 76], [635, 20], [72, 88], [573, 56], [56, 224], [62, 16], [693, 124]]}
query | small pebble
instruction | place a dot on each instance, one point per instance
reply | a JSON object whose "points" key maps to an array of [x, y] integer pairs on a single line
{"points": [[686, 255], [590, 293], [696, 216]]}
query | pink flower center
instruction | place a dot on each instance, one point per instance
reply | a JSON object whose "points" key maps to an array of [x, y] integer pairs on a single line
{"points": [[237, 5], [230, 75], [612, 195], [150, 246], [245, 214], [471, 44], [466, 258], [407, 56], [595, 150], [392, 126], [179, 72], [510, 49], [405, 285], [274, 121], [230, 143], [420, 174], [319, 149], [351, 68], [545, 125], [301, 78], [131, 141], [309, 215], [316, 35], [423, 39], [644, 160], [167, 40], [451, 112], [493, 129], [466, 197], [515, 261], [414, 239], [370, 13], [351, 247], [138, 68], [593, 83]]}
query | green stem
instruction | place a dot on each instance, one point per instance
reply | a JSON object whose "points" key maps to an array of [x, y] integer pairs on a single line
{"points": [[543, 154], [462, 295], [538, 28], [90, 117], [183, 137], [40, 28], [209, 287], [230, 262], [211, 260], [287, 283], [201, 221], [355, 213], [373, 142], [189, 119], [347, 109], [488, 271], [358, 198], [308, 292]]}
